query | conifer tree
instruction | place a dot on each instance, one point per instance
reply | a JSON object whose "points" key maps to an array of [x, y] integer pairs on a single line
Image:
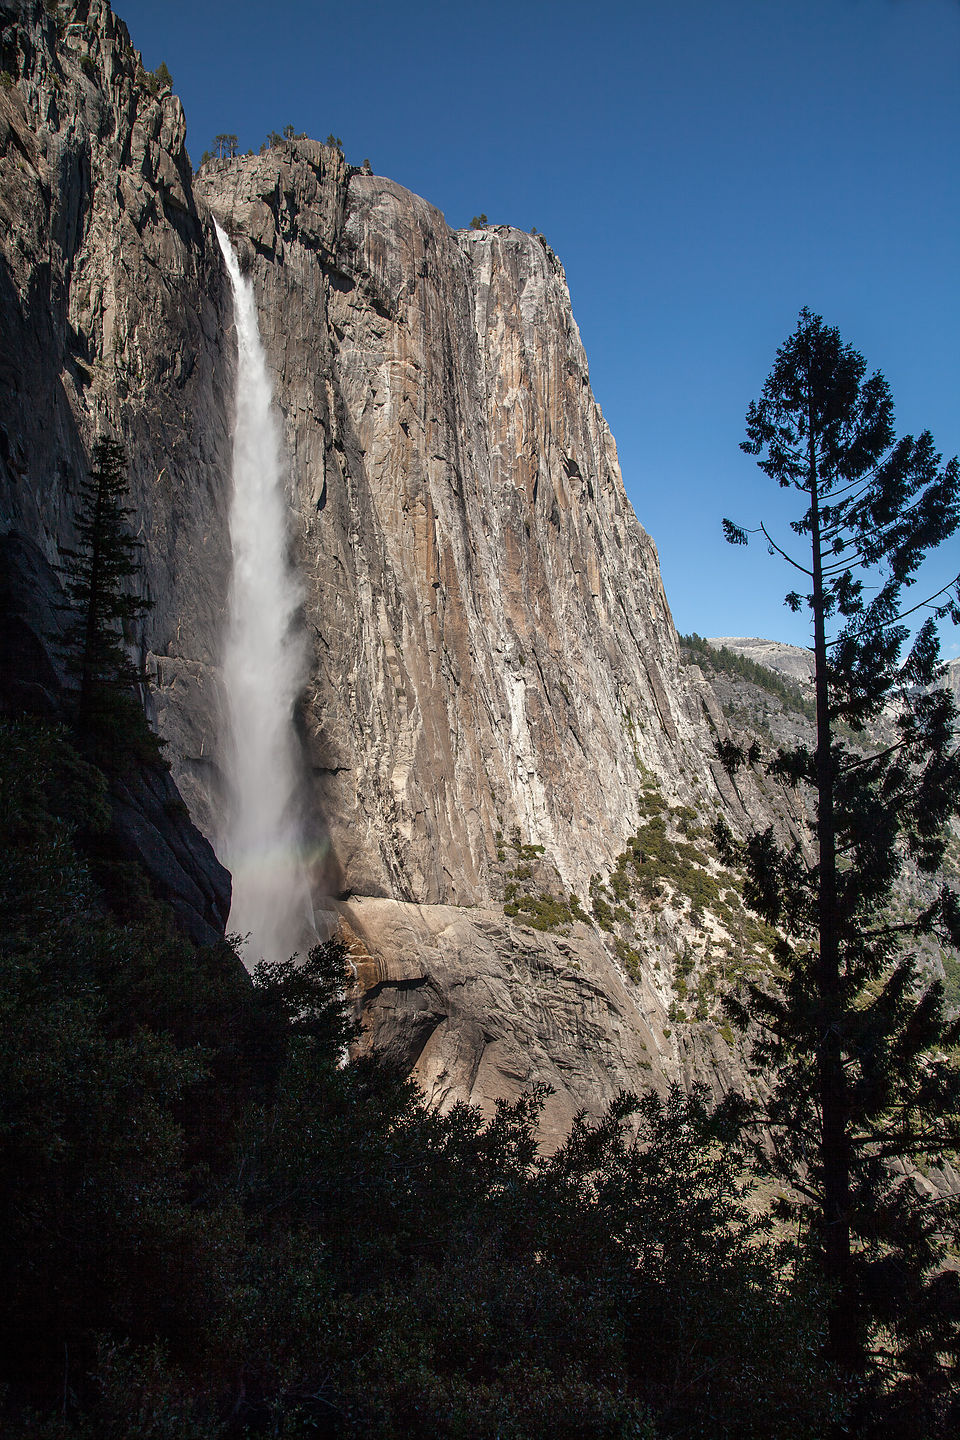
{"points": [[854, 1039], [107, 710]]}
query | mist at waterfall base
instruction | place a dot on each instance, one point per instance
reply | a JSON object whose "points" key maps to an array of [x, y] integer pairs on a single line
{"points": [[261, 843]]}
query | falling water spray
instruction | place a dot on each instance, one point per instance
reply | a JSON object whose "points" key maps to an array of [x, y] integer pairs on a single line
{"points": [[263, 666]]}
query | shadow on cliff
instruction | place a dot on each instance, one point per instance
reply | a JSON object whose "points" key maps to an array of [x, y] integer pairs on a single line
{"points": [[150, 827]]}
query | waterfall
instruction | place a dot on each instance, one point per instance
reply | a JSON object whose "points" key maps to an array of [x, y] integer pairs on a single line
{"points": [[263, 666]]}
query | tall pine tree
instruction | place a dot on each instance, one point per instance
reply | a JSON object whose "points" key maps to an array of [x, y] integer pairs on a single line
{"points": [[108, 714], [861, 1058]]}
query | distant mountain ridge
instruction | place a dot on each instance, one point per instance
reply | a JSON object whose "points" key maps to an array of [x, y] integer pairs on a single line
{"points": [[795, 661]]}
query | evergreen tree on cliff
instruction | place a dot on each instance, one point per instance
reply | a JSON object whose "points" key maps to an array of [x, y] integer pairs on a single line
{"points": [[861, 1055], [108, 715]]}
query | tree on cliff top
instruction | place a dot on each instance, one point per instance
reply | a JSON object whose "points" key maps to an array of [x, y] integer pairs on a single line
{"points": [[861, 1057]]}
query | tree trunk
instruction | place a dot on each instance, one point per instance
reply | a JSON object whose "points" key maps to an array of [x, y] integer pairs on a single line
{"points": [[844, 1344]]}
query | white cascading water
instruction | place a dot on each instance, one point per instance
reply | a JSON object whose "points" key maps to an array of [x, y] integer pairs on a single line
{"points": [[263, 667]]}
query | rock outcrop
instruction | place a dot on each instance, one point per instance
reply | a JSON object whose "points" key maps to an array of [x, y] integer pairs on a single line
{"points": [[496, 700], [493, 648], [792, 661], [495, 669]]}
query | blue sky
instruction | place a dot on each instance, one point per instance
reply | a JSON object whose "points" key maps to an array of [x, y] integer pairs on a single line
{"points": [[703, 168]]}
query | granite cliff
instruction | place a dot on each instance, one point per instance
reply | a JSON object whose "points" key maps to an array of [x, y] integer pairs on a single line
{"points": [[108, 312], [496, 703]]}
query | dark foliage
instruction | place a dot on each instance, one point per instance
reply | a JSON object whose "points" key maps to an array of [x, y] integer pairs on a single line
{"points": [[103, 611], [213, 1224]]}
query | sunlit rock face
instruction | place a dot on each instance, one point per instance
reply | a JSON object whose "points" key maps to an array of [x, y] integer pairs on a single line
{"points": [[492, 646], [492, 667], [494, 660]]}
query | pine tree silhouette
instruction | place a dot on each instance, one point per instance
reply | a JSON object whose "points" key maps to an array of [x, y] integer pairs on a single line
{"points": [[107, 710], [854, 1039]]}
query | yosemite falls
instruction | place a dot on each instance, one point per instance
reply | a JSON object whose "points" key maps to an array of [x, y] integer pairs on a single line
{"points": [[263, 666]]}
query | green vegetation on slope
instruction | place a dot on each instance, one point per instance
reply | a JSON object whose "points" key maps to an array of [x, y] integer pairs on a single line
{"points": [[543, 910], [670, 861], [721, 660]]}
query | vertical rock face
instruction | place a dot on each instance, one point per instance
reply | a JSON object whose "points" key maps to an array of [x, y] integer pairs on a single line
{"points": [[493, 646], [110, 318], [111, 299], [496, 677], [496, 699]]}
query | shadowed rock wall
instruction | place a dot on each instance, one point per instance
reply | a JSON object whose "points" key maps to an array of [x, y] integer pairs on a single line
{"points": [[111, 295]]}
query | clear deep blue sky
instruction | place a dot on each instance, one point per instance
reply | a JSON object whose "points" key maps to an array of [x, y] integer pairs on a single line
{"points": [[703, 168]]}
